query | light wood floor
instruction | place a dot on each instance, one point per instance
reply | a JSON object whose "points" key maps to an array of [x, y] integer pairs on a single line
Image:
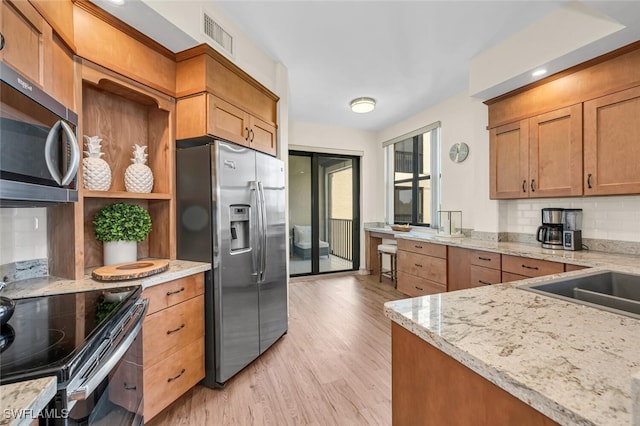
{"points": [[333, 367]]}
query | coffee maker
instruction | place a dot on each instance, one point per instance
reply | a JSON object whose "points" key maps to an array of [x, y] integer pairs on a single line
{"points": [[572, 229], [551, 232]]}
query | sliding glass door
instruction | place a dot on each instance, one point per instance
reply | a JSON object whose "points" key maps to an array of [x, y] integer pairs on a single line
{"points": [[324, 200]]}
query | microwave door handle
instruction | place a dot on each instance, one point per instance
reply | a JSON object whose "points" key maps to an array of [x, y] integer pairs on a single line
{"points": [[91, 384], [74, 161], [49, 146]]}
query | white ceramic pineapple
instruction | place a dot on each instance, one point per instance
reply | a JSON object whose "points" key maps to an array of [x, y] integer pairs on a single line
{"points": [[138, 176], [95, 171]]}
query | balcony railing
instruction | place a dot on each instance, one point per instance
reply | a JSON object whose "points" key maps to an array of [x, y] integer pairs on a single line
{"points": [[341, 238]]}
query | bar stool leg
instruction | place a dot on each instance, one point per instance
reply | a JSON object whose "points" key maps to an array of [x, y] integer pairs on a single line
{"points": [[380, 264], [394, 270]]}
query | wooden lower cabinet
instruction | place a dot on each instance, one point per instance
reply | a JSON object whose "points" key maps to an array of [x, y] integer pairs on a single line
{"points": [[166, 381], [530, 268], [422, 268], [173, 341], [430, 388], [467, 268]]}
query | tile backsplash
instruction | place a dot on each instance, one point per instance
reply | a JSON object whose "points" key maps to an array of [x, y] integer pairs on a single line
{"points": [[23, 234], [604, 218]]}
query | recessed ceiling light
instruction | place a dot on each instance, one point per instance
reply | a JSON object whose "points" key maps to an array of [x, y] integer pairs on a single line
{"points": [[118, 2], [539, 72], [362, 105]]}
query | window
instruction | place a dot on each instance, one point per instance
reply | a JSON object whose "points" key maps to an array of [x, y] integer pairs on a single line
{"points": [[413, 171]]}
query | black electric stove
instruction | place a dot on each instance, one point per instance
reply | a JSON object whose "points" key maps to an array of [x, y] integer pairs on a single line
{"points": [[54, 335]]}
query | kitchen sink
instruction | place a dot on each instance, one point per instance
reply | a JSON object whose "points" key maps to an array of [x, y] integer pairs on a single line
{"points": [[611, 291]]}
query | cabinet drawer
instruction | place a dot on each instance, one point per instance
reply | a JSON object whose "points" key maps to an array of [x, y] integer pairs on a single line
{"points": [[166, 381], [507, 277], [480, 276], [416, 286], [168, 294], [486, 259], [431, 268], [530, 267], [569, 267], [430, 249], [169, 330]]}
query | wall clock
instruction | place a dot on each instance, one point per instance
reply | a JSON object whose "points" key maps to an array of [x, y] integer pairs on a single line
{"points": [[459, 152]]}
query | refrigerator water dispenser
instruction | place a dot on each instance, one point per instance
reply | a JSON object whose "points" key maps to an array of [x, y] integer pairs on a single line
{"points": [[239, 227]]}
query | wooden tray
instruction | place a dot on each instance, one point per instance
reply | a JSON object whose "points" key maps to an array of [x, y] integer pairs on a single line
{"points": [[130, 270]]}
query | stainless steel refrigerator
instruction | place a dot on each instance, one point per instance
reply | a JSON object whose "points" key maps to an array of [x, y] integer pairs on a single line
{"points": [[231, 212]]}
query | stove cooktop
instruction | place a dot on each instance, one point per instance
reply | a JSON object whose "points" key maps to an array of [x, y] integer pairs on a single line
{"points": [[51, 335]]}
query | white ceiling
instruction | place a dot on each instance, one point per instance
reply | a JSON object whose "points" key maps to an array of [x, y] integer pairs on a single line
{"points": [[407, 55]]}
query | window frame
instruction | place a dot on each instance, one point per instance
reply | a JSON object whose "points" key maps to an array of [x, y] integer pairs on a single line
{"points": [[415, 179]]}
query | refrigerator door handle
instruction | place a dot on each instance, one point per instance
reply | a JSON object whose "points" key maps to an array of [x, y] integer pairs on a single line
{"points": [[263, 232], [255, 192]]}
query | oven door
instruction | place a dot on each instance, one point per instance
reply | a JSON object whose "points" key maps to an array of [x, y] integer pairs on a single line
{"points": [[112, 393]]}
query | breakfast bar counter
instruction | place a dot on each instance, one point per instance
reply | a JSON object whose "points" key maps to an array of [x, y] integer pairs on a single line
{"points": [[572, 363]]}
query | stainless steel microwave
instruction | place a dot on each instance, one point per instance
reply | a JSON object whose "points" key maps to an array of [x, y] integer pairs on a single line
{"points": [[39, 153]]}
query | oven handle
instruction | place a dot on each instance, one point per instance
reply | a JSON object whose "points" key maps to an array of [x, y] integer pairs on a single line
{"points": [[90, 385]]}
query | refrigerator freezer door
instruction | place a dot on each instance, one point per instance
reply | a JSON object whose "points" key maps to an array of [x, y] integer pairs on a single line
{"points": [[273, 286], [235, 281]]}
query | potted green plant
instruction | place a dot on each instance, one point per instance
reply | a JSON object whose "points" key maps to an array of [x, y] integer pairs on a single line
{"points": [[120, 227]]}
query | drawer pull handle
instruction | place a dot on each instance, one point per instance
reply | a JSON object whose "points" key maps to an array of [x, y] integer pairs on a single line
{"points": [[129, 387], [171, 379], [176, 330], [418, 265], [487, 259], [535, 268], [484, 282], [418, 247], [419, 288], [170, 293]]}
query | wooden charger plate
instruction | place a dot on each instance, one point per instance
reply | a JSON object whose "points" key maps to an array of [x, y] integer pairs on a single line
{"points": [[130, 270]]}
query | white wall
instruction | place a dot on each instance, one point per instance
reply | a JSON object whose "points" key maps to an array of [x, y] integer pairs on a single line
{"points": [[465, 186], [315, 137], [23, 234]]}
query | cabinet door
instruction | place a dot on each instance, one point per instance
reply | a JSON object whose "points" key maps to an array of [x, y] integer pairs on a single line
{"points": [[458, 271], [227, 121], [509, 162], [27, 38], [262, 136], [611, 148], [555, 153]]}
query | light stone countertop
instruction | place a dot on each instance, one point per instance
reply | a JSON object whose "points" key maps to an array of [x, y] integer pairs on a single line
{"points": [[22, 401], [576, 364], [534, 251], [29, 394], [53, 285]]}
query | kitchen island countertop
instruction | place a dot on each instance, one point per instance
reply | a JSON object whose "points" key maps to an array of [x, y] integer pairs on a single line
{"points": [[573, 363]]}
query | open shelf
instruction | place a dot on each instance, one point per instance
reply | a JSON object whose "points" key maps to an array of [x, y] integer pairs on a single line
{"points": [[128, 195]]}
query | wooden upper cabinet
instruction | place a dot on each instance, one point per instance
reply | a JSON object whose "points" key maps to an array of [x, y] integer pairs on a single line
{"points": [[555, 153], [538, 157], [612, 144], [36, 50], [27, 38], [218, 99], [509, 161]]}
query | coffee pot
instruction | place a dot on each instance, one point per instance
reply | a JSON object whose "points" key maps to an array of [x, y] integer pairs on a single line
{"points": [[550, 234]]}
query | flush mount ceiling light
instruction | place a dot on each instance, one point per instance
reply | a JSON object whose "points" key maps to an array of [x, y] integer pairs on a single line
{"points": [[539, 72], [362, 105]]}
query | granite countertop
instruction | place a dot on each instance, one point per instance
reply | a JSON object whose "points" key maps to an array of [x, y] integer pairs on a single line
{"points": [[32, 395], [575, 364], [22, 401], [534, 251], [53, 285]]}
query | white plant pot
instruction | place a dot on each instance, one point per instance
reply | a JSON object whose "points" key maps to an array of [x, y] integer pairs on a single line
{"points": [[119, 252]]}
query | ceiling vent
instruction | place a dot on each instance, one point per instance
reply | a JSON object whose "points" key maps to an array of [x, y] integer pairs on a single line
{"points": [[216, 33]]}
